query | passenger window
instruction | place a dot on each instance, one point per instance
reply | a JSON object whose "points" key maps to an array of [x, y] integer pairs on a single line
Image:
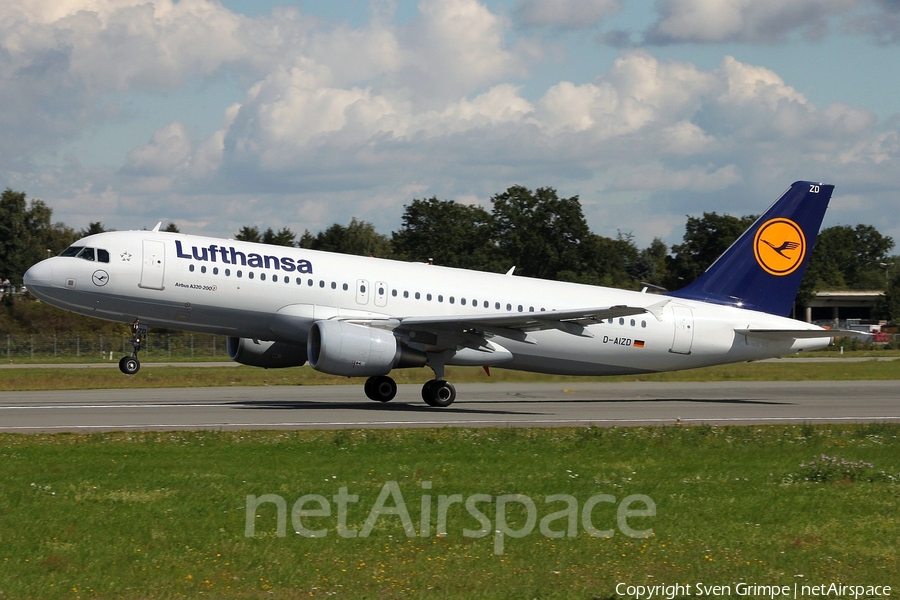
{"points": [[262, 276], [191, 268], [462, 301], [250, 274], [275, 278], [102, 255], [203, 269], [215, 270]]}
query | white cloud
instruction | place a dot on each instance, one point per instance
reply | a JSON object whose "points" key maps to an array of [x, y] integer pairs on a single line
{"points": [[565, 14], [767, 21], [168, 151], [455, 47], [339, 121]]}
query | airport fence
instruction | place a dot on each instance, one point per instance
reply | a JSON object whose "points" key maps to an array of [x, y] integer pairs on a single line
{"points": [[89, 348], [162, 346]]}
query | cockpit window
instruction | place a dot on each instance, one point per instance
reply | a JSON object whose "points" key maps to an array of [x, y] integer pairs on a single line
{"points": [[92, 254], [86, 254]]}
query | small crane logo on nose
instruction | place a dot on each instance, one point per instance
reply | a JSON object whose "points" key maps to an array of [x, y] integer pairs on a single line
{"points": [[100, 277]]}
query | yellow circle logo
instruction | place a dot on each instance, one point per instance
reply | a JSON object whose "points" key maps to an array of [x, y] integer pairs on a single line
{"points": [[779, 246]]}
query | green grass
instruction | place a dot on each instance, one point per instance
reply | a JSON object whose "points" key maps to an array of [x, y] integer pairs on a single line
{"points": [[187, 376], [162, 515]]}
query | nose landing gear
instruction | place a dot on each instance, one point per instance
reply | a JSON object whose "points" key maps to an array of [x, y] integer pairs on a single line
{"points": [[130, 364]]}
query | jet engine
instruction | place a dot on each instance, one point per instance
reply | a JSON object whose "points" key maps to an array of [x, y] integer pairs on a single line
{"points": [[350, 350], [270, 355]]}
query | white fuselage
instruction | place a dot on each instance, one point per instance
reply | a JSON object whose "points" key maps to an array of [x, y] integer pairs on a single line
{"points": [[264, 292]]}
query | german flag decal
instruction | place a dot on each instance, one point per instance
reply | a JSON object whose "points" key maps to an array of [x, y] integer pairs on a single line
{"points": [[638, 343]]}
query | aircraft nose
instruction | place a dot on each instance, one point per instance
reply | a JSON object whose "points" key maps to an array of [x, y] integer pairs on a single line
{"points": [[38, 276]]}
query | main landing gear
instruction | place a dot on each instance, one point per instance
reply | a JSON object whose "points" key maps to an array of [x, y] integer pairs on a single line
{"points": [[437, 392], [130, 364]]}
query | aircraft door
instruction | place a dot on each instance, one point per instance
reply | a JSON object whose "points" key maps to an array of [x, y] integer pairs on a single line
{"points": [[683, 337], [362, 291], [154, 265], [381, 291]]}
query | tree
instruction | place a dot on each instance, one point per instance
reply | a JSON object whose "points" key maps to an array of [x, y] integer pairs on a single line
{"points": [[539, 232], [27, 234], [449, 233], [705, 239], [248, 233], [652, 264], [284, 237], [92, 228], [172, 228], [888, 306], [606, 261], [848, 257], [359, 238]]}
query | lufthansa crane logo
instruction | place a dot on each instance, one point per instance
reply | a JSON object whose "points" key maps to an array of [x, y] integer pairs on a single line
{"points": [[779, 246], [100, 277]]}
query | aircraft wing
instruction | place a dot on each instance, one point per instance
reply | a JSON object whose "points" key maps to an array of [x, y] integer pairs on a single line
{"points": [[517, 325], [798, 334]]}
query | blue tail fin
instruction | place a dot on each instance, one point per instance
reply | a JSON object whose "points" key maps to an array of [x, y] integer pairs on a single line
{"points": [[762, 270]]}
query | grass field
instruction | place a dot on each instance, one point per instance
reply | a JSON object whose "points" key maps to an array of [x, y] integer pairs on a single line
{"points": [[163, 515], [187, 376]]}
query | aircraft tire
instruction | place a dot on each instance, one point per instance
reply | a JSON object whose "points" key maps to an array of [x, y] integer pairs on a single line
{"points": [[381, 388], [439, 394], [129, 365]]}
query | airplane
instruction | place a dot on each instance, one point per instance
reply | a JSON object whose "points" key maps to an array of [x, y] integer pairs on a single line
{"points": [[359, 316]]}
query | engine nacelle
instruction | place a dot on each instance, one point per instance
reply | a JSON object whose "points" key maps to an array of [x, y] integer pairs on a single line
{"points": [[270, 355], [350, 350]]}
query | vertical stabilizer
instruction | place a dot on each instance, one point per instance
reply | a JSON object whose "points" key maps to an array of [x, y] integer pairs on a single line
{"points": [[762, 270]]}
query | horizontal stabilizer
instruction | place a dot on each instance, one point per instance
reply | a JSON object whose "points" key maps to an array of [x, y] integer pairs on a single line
{"points": [[798, 334]]}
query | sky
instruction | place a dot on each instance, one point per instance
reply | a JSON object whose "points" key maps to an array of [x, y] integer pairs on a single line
{"points": [[219, 114]]}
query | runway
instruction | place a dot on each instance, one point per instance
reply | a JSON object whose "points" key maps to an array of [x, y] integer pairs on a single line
{"points": [[477, 405]]}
